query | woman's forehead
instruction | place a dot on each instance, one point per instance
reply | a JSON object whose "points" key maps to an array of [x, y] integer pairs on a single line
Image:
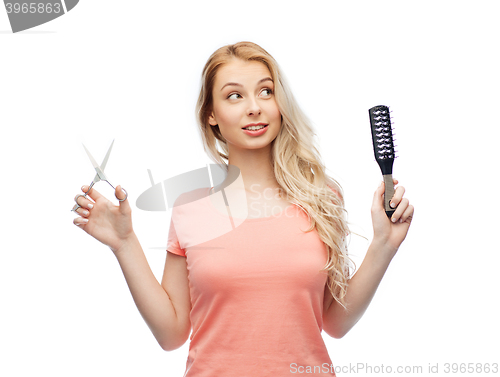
{"points": [[238, 70]]}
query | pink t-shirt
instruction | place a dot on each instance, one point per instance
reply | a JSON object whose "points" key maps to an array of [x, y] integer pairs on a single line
{"points": [[256, 292]]}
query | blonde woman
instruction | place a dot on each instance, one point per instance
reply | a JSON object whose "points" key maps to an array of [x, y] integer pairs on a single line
{"points": [[255, 299]]}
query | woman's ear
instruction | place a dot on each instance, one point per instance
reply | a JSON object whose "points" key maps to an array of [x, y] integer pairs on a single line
{"points": [[211, 119]]}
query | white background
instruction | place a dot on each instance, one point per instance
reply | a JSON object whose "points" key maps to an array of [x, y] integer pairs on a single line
{"points": [[130, 71]]}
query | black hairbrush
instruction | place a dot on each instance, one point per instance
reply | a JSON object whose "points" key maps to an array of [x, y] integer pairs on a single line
{"points": [[383, 146]]}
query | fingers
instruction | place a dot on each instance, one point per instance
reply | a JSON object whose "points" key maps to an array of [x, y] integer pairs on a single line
{"points": [[407, 215], [403, 205], [398, 195], [378, 198], [82, 211], [84, 204], [83, 201], [93, 193], [122, 196], [396, 201], [83, 207], [404, 210], [80, 221], [120, 193]]}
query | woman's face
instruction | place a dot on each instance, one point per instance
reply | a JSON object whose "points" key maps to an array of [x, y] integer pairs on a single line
{"points": [[243, 94]]}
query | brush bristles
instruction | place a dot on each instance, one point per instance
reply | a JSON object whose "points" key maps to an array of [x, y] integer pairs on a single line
{"points": [[382, 130]]}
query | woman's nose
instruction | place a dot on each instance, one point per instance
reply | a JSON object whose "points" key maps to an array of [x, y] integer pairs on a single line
{"points": [[253, 108]]}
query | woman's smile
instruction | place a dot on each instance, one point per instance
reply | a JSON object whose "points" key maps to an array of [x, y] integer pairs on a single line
{"points": [[255, 130]]}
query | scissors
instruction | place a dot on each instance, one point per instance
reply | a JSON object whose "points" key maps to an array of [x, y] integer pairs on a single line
{"points": [[100, 176]]}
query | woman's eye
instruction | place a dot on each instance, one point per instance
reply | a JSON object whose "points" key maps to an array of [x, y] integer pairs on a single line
{"points": [[233, 96], [267, 92]]}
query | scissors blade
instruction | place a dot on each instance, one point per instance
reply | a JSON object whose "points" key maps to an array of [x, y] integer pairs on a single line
{"points": [[105, 161], [100, 173]]}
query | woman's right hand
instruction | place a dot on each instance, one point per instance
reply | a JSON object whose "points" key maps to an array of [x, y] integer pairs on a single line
{"points": [[106, 222]]}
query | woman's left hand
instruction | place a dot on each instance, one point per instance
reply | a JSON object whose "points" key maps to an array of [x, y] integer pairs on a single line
{"points": [[391, 232]]}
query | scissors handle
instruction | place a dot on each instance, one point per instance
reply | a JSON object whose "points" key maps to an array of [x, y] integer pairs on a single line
{"points": [[121, 200], [76, 206], [90, 186]]}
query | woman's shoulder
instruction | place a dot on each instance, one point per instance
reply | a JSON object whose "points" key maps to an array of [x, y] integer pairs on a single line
{"points": [[337, 190]]}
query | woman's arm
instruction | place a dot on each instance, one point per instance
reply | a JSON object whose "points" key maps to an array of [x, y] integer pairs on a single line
{"points": [[387, 237], [165, 308]]}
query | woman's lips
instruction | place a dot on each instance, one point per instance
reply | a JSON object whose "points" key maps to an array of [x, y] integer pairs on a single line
{"points": [[256, 133]]}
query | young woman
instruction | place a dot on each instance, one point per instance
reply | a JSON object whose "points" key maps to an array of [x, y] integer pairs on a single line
{"points": [[256, 297]]}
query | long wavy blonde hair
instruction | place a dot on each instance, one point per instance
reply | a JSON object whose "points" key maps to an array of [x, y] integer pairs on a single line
{"points": [[297, 163]]}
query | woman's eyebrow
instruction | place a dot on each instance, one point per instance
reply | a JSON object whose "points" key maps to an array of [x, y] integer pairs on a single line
{"points": [[236, 84]]}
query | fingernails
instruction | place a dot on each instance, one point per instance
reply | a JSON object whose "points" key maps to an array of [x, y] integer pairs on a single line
{"points": [[90, 205], [393, 219], [85, 212], [82, 222], [393, 205]]}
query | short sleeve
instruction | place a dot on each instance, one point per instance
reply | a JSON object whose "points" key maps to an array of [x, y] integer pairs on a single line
{"points": [[335, 191], [173, 242]]}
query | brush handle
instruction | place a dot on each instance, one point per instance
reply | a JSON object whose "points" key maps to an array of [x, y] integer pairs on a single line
{"points": [[388, 194]]}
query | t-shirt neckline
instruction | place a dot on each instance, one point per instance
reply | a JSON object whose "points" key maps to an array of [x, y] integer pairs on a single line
{"points": [[256, 219]]}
